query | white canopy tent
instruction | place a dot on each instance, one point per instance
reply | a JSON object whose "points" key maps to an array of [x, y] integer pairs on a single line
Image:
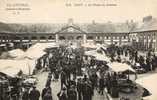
{"points": [[16, 53], [37, 50], [104, 46], [24, 61], [89, 45], [120, 67], [150, 83], [91, 53], [98, 56], [94, 46], [12, 67], [102, 57]]}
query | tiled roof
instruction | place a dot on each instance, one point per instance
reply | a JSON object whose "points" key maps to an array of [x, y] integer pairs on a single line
{"points": [[147, 26], [108, 27]]}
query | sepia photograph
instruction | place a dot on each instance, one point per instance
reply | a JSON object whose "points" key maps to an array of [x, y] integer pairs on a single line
{"points": [[78, 50]]}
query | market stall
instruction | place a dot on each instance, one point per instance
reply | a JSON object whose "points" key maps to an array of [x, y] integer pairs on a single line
{"points": [[91, 53], [89, 45], [16, 53], [120, 67], [12, 67], [125, 85], [37, 50], [102, 57]]}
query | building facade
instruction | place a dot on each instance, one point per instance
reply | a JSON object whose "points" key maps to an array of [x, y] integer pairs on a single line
{"points": [[119, 34], [145, 37], [66, 35]]}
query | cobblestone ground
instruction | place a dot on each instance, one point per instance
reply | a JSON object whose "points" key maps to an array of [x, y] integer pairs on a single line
{"points": [[42, 77]]}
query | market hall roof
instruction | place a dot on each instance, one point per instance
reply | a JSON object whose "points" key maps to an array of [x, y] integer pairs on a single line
{"points": [[93, 27]]}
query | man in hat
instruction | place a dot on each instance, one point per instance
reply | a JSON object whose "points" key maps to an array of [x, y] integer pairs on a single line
{"points": [[101, 85], [87, 91], [44, 91], [48, 95], [79, 88], [34, 94], [63, 79], [72, 94], [62, 95], [25, 95]]}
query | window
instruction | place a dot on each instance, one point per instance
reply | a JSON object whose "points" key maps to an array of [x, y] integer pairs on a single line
{"points": [[90, 38], [50, 37], [34, 38], [98, 37], [17, 38], [61, 38], [79, 37], [124, 37], [25, 38], [42, 37], [70, 38], [4, 37]]}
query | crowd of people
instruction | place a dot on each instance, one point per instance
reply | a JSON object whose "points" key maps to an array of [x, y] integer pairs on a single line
{"points": [[147, 61], [65, 65]]}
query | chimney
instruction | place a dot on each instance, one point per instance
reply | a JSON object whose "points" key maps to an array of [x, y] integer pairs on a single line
{"points": [[147, 19], [70, 21], [93, 22]]}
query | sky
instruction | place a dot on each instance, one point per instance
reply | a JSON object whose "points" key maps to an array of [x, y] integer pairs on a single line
{"points": [[57, 11]]}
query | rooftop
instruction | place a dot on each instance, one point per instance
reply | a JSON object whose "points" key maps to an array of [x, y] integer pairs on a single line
{"points": [[148, 24]]}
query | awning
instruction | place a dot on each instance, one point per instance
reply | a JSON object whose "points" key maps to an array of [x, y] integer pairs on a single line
{"points": [[16, 53], [98, 56], [87, 45], [120, 67], [91, 53], [102, 57], [38, 50], [12, 67]]}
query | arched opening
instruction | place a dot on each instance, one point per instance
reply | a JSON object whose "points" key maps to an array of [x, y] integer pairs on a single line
{"points": [[43, 38], [107, 37], [34, 38], [124, 37], [90, 38], [61, 38], [25, 38], [3, 37], [17, 38], [70, 38], [79, 37], [51, 38]]}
